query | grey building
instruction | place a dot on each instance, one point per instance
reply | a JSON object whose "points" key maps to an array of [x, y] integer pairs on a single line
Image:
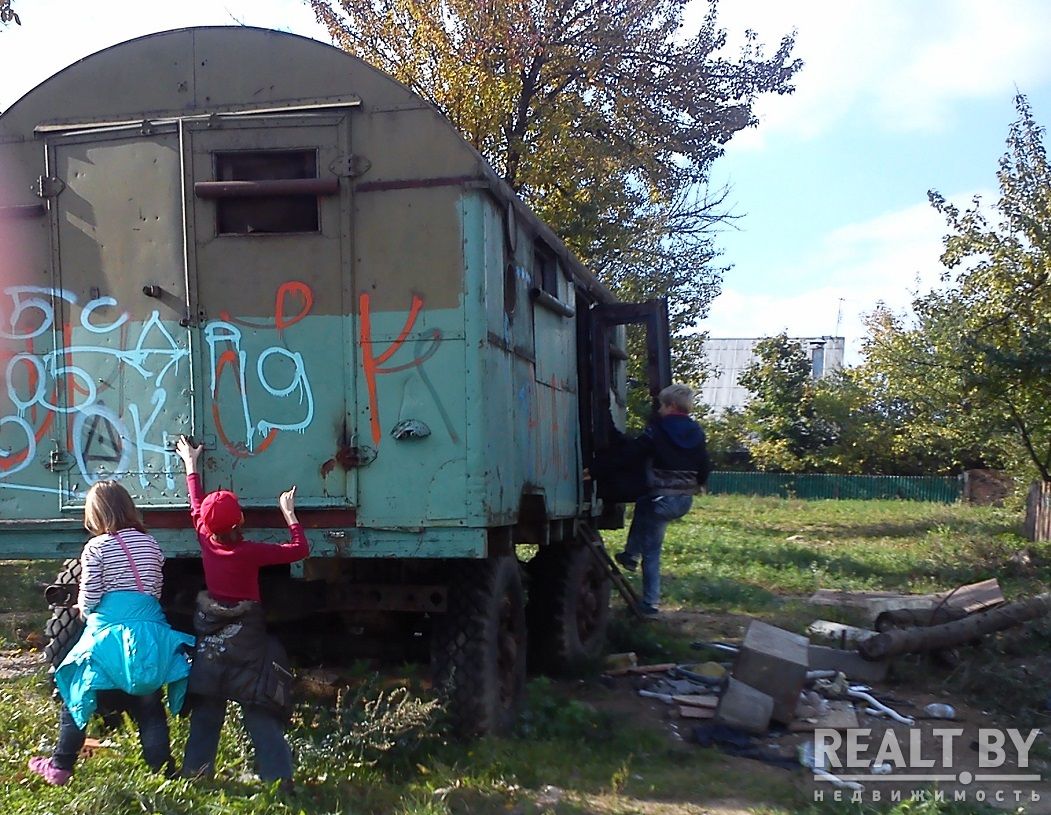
{"points": [[728, 357]]}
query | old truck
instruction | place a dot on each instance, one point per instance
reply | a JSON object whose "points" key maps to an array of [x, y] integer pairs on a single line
{"points": [[260, 241]]}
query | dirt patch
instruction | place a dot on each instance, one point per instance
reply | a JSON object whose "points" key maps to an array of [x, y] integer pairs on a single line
{"points": [[20, 663]]}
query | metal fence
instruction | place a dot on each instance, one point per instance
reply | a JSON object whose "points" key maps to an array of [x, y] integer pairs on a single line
{"points": [[821, 485]]}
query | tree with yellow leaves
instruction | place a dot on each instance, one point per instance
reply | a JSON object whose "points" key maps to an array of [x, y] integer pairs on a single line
{"points": [[604, 115]]}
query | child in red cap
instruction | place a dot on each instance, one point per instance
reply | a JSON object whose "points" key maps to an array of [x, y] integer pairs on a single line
{"points": [[235, 659]]}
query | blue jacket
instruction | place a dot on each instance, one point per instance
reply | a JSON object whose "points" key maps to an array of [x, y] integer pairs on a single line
{"points": [[127, 645]]}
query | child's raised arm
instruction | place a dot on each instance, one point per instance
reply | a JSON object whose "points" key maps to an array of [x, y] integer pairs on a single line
{"points": [[189, 455], [287, 502]]}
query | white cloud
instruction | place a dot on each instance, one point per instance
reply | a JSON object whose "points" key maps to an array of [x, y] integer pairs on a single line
{"points": [[896, 65], [884, 259]]}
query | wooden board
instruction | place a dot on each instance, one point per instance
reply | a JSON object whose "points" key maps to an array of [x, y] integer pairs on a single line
{"points": [[635, 670], [840, 716], [691, 712], [976, 596]]}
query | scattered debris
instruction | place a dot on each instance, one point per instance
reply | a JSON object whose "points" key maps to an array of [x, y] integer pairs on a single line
{"points": [[549, 796], [839, 715], [939, 710], [736, 743]]}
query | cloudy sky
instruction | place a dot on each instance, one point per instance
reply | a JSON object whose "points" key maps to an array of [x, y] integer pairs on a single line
{"points": [[897, 97]]}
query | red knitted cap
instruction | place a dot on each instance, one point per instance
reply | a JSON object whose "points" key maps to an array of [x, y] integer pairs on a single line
{"points": [[221, 512]]}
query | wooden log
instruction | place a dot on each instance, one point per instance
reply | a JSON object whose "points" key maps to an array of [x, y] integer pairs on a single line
{"points": [[936, 637]]}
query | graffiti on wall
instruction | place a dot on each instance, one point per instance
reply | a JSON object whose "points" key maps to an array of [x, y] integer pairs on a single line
{"points": [[373, 365], [228, 359], [112, 429]]}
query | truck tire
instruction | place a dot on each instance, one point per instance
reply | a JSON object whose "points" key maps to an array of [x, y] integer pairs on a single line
{"points": [[478, 647], [568, 608], [65, 626]]}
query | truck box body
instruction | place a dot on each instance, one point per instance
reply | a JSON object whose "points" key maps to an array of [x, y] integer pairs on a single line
{"points": [[366, 333]]}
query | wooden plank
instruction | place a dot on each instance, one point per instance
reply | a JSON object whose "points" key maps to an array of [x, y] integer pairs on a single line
{"points": [[976, 596], [635, 670], [698, 700], [850, 599], [659, 668], [840, 716]]}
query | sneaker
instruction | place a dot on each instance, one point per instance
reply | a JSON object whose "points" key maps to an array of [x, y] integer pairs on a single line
{"points": [[626, 561], [43, 767], [648, 610]]}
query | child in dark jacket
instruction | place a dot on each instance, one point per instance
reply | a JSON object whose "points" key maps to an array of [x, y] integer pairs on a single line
{"points": [[235, 658], [674, 446]]}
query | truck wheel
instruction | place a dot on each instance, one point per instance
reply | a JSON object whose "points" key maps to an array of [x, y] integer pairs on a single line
{"points": [[568, 608], [478, 647], [65, 626]]}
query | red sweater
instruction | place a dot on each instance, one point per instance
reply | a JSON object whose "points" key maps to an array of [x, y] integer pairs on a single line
{"points": [[231, 573]]}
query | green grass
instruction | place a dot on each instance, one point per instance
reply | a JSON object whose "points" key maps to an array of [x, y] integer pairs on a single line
{"points": [[22, 605], [736, 553], [581, 747]]}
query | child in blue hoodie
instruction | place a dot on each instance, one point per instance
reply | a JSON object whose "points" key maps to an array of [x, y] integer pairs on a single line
{"points": [[675, 447]]}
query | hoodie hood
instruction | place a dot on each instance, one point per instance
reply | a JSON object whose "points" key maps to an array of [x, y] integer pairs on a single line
{"points": [[683, 431]]}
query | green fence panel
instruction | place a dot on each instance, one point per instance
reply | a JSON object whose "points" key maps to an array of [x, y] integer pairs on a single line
{"points": [[943, 489]]}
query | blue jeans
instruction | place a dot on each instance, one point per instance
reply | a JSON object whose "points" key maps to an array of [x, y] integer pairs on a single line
{"points": [[273, 757], [646, 536], [148, 713]]}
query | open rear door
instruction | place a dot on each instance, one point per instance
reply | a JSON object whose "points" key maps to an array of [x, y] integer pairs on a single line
{"points": [[606, 353]]}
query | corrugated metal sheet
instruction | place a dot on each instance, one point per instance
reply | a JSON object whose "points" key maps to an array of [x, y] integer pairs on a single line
{"points": [[821, 485], [728, 357]]}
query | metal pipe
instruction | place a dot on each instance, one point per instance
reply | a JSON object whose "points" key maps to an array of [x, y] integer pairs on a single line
{"points": [[551, 303], [257, 189]]}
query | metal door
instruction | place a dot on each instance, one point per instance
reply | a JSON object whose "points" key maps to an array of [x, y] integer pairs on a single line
{"points": [[270, 242], [119, 381]]}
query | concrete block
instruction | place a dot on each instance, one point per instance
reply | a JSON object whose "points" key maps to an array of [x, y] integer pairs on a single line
{"points": [[774, 661], [744, 707], [822, 658]]}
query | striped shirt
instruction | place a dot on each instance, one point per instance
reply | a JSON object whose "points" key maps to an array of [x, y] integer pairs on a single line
{"points": [[105, 567]]}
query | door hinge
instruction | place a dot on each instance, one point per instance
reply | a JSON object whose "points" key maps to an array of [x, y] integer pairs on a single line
{"points": [[59, 461], [48, 186], [350, 166]]}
